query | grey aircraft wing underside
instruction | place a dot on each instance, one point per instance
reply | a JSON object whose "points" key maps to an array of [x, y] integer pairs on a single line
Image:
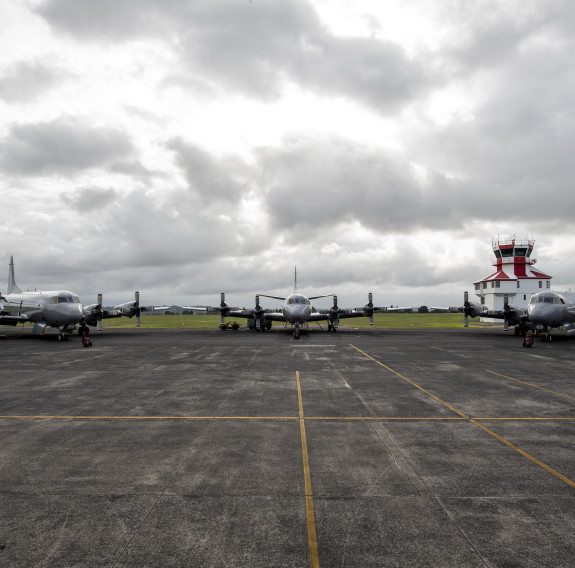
{"points": [[14, 320]]}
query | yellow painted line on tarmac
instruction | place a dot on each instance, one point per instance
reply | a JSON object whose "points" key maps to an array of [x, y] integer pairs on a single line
{"points": [[524, 453], [411, 382], [511, 418], [311, 532], [359, 418], [475, 422], [531, 385], [63, 417], [404, 418]]}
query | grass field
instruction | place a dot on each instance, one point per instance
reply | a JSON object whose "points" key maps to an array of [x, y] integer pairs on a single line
{"points": [[380, 321]]}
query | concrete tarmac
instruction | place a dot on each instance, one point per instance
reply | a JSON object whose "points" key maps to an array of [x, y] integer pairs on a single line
{"points": [[361, 448]]}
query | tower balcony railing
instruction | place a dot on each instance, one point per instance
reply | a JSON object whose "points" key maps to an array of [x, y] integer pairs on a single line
{"points": [[511, 259]]}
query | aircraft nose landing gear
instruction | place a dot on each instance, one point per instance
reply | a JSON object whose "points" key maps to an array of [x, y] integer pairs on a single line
{"points": [[296, 333]]}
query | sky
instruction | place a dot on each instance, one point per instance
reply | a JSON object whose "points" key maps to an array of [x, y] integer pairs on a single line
{"points": [[184, 148]]}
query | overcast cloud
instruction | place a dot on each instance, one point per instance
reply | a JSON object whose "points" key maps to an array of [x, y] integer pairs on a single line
{"points": [[187, 148]]}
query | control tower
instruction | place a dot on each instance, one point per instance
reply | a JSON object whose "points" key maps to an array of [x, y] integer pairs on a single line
{"points": [[514, 276]]}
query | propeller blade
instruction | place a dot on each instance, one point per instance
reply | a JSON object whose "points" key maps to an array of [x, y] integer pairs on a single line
{"points": [[223, 308], [258, 314], [370, 304], [137, 306], [99, 313], [465, 304]]}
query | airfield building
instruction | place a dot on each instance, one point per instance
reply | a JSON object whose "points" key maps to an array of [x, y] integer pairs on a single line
{"points": [[514, 276]]}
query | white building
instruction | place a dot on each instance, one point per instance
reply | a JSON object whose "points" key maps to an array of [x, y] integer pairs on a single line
{"points": [[514, 277]]}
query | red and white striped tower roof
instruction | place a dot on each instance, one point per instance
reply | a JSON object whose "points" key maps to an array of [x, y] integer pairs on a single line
{"points": [[513, 262]]}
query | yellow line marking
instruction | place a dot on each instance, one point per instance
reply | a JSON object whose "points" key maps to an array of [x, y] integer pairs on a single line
{"points": [[47, 417], [364, 418], [484, 428], [525, 454], [406, 418], [531, 385], [542, 418], [311, 533], [412, 383]]}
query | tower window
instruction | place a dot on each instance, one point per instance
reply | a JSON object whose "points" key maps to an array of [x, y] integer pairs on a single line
{"points": [[548, 284]]}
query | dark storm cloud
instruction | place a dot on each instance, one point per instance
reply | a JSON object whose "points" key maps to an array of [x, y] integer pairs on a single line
{"points": [[517, 146], [154, 230], [311, 187], [88, 199], [212, 179], [135, 170], [373, 71], [316, 184], [253, 47], [62, 145], [27, 80], [112, 19]]}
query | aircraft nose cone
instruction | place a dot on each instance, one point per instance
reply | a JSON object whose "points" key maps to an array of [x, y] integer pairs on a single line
{"points": [[298, 314], [65, 314], [545, 313]]}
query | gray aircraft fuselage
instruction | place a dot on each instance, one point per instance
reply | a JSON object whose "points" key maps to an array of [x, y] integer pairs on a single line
{"points": [[548, 309], [56, 308], [296, 309]]}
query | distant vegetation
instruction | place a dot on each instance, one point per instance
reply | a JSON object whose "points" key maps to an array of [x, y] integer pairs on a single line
{"points": [[388, 320]]}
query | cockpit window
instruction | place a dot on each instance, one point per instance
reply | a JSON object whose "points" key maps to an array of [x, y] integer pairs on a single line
{"points": [[298, 300], [546, 300], [65, 299]]}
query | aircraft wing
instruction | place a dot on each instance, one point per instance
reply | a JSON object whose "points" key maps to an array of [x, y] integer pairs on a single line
{"points": [[13, 320], [270, 315], [323, 315], [274, 316], [509, 314]]}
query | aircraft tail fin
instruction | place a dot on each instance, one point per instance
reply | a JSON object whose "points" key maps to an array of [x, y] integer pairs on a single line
{"points": [[12, 286]]}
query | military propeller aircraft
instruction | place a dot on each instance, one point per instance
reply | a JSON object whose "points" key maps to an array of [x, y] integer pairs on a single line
{"points": [[545, 311], [548, 310], [296, 312], [60, 309]]}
